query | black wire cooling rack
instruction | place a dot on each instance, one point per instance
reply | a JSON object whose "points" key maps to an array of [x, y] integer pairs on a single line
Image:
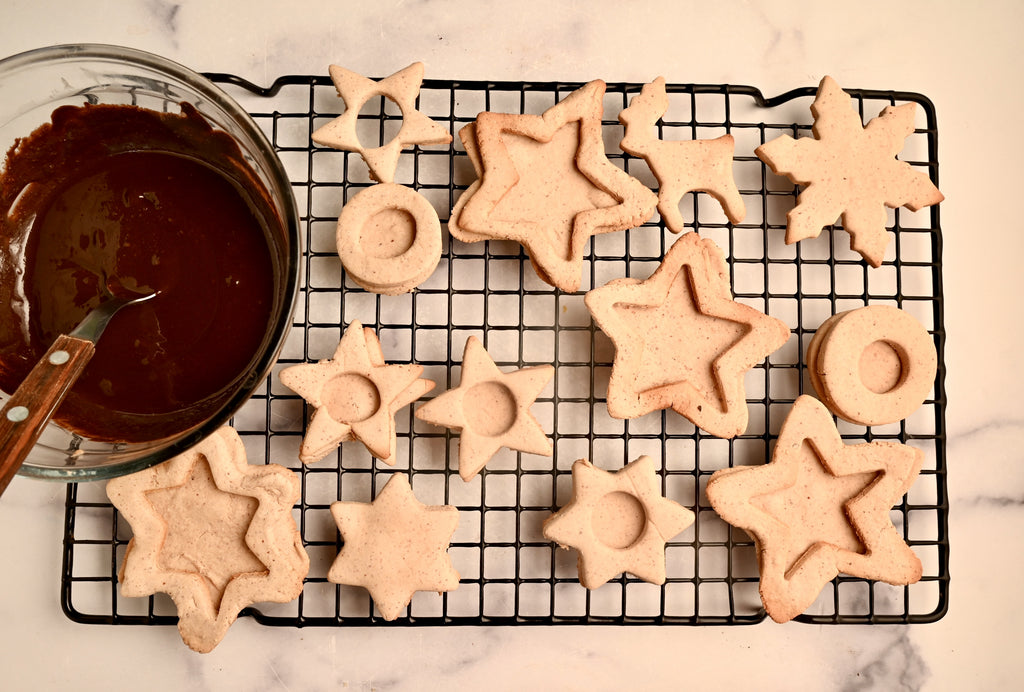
{"points": [[509, 573]]}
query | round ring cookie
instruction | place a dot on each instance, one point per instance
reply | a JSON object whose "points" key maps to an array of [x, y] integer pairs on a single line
{"points": [[873, 365], [389, 238]]}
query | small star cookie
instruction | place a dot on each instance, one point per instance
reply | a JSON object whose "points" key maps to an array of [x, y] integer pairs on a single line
{"points": [[849, 170], [395, 546], [356, 395], [545, 182], [700, 165], [491, 408], [619, 522], [212, 532], [681, 341], [820, 507], [402, 88]]}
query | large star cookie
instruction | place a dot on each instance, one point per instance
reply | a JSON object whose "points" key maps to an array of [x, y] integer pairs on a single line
{"points": [[395, 546], [491, 408], [700, 165], [402, 88], [356, 395], [213, 533], [546, 183], [681, 342], [618, 522], [849, 170], [819, 508]]}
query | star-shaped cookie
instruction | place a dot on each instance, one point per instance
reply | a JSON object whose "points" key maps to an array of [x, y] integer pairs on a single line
{"points": [[212, 532], [619, 522], [820, 507], [402, 88], [701, 165], [395, 546], [545, 182], [849, 170], [356, 395], [681, 341], [491, 408]]}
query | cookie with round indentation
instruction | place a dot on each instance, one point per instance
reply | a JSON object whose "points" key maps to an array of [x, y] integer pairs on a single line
{"points": [[681, 341], [849, 170], [699, 165], [356, 395], [873, 365], [618, 522], [820, 507], [389, 238], [491, 409], [214, 533], [395, 546]]}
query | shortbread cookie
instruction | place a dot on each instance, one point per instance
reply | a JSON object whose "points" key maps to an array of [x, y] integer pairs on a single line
{"points": [[402, 88], [619, 522], [395, 546], [491, 409], [212, 532], [820, 507], [389, 239], [681, 341], [700, 165], [849, 170], [356, 395], [873, 365], [546, 183]]}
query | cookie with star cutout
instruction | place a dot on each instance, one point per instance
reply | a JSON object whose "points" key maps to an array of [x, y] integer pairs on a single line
{"points": [[491, 409], [545, 182], [820, 507], [355, 396], [212, 532], [681, 341], [618, 522], [395, 546]]}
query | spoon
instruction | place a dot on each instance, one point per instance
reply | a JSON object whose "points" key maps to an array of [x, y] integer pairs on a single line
{"points": [[26, 413]]}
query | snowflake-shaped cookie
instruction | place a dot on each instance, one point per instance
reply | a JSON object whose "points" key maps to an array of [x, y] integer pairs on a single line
{"points": [[212, 532], [849, 170]]}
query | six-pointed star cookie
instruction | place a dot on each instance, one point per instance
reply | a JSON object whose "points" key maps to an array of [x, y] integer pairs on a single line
{"points": [[214, 533], [402, 88], [395, 546], [849, 170], [619, 522], [819, 508], [546, 183], [681, 342], [356, 395], [491, 408], [702, 165]]}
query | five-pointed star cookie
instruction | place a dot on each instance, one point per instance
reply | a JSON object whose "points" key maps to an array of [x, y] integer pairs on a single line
{"points": [[619, 522], [395, 546], [546, 183], [701, 165], [849, 170], [820, 507], [491, 408], [212, 532], [681, 342], [356, 395], [402, 87]]}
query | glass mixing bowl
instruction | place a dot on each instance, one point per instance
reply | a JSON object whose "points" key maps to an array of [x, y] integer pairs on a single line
{"points": [[35, 83]]}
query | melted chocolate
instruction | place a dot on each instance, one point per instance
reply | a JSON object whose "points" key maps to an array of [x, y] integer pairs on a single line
{"points": [[147, 201]]}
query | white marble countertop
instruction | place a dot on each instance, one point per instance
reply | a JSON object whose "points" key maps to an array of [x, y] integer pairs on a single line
{"points": [[960, 55]]}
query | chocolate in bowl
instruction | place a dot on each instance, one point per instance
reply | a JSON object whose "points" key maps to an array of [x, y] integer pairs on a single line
{"points": [[140, 174]]}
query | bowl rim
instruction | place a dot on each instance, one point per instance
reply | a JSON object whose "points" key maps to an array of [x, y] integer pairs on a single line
{"points": [[290, 220]]}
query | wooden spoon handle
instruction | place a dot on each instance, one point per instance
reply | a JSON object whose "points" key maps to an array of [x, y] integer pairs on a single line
{"points": [[26, 413]]}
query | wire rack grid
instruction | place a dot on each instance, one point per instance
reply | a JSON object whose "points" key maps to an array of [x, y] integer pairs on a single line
{"points": [[509, 573]]}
